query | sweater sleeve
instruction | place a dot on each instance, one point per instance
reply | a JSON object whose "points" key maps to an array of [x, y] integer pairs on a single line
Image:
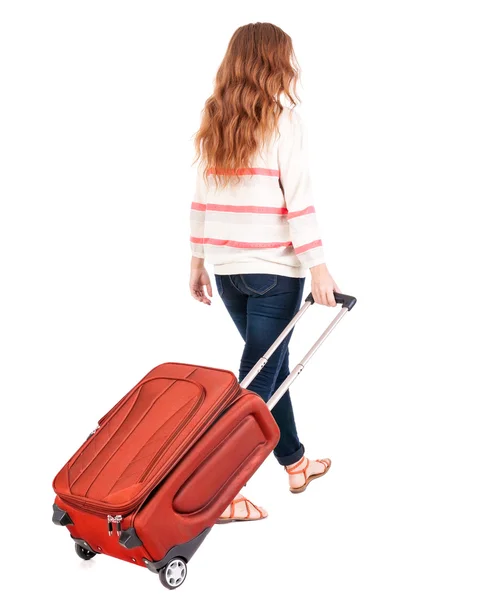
{"points": [[197, 217], [296, 186]]}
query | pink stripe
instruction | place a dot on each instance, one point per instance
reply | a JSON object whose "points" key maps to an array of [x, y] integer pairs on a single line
{"points": [[234, 244], [251, 171], [306, 247], [300, 213], [197, 206], [269, 210]]}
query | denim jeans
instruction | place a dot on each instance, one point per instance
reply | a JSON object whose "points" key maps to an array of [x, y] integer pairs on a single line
{"points": [[261, 305]]}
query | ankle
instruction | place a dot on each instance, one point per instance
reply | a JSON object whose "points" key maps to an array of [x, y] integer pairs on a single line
{"points": [[300, 463]]}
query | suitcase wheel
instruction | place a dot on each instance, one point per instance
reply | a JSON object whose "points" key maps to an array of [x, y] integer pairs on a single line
{"points": [[174, 574], [84, 553]]}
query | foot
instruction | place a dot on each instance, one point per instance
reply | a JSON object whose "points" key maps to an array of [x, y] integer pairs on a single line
{"points": [[302, 473], [242, 509]]}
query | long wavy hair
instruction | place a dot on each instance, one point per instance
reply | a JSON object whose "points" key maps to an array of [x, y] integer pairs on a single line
{"points": [[258, 71]]}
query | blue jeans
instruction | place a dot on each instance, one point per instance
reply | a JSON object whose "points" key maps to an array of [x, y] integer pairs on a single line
{"points": [[261, 306]]}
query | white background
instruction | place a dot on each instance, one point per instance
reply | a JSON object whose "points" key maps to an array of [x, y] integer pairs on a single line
{"points": [[402, 101]]}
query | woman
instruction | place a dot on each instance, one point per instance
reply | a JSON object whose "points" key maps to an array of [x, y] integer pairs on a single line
{"points": [[254, 220]]}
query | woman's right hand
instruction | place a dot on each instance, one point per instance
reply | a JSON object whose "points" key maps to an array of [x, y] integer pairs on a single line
{"points": [[323, 286], [200, 285]]}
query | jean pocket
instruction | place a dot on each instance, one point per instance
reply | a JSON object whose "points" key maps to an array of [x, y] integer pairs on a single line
{"points": [[259, 283], [219, 285]]}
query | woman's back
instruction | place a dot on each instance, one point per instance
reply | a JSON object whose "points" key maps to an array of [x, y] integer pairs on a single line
{"points": [[265, 222]]}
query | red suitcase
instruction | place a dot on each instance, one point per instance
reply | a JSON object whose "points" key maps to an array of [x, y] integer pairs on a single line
{"points": [[163, 464]]}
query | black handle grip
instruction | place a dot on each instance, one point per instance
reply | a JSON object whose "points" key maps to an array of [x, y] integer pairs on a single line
{"points": [[346, 301]]}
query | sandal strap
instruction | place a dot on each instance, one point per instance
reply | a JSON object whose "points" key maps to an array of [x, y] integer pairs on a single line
{"points": [[232, 506], [326, 462], [288, 468], [300, 471], [248, 506], [248, 502]]}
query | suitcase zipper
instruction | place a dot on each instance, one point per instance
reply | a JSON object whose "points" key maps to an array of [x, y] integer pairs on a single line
{"points": [[100, 508]]}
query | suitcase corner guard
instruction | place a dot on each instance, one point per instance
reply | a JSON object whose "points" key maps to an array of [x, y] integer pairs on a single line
{"points": [[184, 551], [129, 539], [60, 516]]}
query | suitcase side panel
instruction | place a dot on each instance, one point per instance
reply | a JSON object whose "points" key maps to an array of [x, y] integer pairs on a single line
{"points": [[196, 493], [235, 450]]}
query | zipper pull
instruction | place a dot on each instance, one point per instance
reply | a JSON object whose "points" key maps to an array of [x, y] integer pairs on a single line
{"points": [[118, 521], [110, 525]]}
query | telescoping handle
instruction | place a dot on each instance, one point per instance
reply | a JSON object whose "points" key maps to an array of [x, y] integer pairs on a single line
{"points": [[347, 303]]}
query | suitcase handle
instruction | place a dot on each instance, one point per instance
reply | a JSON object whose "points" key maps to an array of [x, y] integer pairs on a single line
{"points": [[348, 302]]}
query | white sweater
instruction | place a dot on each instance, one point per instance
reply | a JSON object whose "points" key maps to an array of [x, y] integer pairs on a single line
{"points": [[266, 223]]}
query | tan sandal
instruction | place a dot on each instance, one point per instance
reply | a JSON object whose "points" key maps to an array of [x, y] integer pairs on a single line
{"points": [[233, 519], [307, 480]]}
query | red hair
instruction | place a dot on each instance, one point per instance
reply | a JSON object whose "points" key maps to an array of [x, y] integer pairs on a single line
{"points": [[258, 69]]}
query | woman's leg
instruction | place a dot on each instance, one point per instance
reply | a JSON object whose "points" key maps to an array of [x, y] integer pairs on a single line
{"points": [[260, 319], [268, 313], [235, 302], [289, 449]]}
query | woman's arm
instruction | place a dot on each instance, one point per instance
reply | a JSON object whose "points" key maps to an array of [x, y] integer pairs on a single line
{"points": [[200, 285], [303, 225]]}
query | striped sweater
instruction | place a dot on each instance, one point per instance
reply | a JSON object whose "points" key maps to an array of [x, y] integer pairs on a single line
{"points": [[265, 223]]}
